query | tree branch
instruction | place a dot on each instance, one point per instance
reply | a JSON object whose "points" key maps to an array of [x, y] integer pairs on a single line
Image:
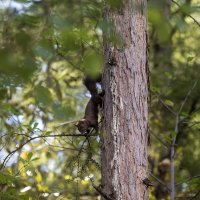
{"points": [[6, 159], [196, 195], [160, 181], [186, 13], [99, 190], [164, 104], [188, 179], [176, 130]]}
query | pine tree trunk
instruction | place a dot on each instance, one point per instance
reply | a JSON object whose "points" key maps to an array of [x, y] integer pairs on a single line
{"points": [[125, 113]]}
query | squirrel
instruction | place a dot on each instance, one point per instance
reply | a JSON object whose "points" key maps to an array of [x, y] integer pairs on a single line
{"points": [[90, 84], [90, 119]]}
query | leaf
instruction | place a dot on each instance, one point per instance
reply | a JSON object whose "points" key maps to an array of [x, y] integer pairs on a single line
{"points": [[47, 132], [70, 40], [6, 178], [60, 22], [22, 160], [169, 102], [184, 114], [161, 25], [38, 177], [31, 122], [23, 39], [44, 49], [106, 26], [92, 63], [3, 93], [34, 159], [24, 197], [35, 125], [173, 134], [29, 21], [168, 74], [22, 1], [155, 89], [30, 154], [42, 95], [114, 3], [12, 191], [190, 58], [63, 112]]}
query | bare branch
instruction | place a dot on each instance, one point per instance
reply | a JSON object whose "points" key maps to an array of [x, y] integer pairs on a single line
{"points": [[65, 123], [172, 153], [160, 181], [186, 13], [6, 159], [196, 195], [64, 57], [165, 105], [188, 179], [160, 140], [188, 94], [99, 190]]}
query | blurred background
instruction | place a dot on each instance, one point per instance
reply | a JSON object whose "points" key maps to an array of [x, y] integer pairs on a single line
{"points": [[45, 48]]}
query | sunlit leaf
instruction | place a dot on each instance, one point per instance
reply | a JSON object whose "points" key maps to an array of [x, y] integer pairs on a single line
{"points": [[30, 154], [114, 3], [22, 1], [44, 49], [22, 160], [23, 39], [169, 102], [35, 125], [173, 134], [34, 159], [93, 63], [42, 95], [70, 40], [63, 112], [190, 58], [6, 178]]}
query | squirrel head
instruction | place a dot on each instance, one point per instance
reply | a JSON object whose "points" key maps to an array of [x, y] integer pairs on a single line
{"points": [[83, 126]]}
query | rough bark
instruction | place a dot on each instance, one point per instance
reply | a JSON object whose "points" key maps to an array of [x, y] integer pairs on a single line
{"points": [[125, 113]]}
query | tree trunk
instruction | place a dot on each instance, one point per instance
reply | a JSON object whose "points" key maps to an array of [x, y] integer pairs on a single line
{"points": [[125, 113]]}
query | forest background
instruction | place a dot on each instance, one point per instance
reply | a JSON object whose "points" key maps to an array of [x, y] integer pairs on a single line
{"points": [[46, 47]]}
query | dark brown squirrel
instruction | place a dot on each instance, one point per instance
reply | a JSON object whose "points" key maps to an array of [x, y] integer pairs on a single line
{"points": [[90, 119], [90, 83]]}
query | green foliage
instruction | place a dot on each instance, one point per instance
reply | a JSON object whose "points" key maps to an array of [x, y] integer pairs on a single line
{"points": [[114, 3], [175, 90], [6, 179]]}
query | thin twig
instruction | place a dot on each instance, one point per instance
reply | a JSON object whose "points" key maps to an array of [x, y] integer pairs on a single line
{"points": [[172, 153], [165, 105], [105, 196], [60, 148], [172, 156], [160, 140], [188, 179], [186, 13], [196, 195], [6, 159], [65, 123], [160, 181], [64, 57], [188, 94]]}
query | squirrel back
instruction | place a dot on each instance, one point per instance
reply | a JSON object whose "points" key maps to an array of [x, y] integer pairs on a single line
{"points": [[90, 119], [91, 84]]}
